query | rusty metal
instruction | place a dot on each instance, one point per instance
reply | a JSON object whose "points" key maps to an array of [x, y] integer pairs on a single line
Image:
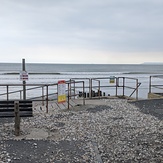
{"points": [[73, 85], [69, 95], [7, 92], [47, 99], [83, 91], [157, 86]]}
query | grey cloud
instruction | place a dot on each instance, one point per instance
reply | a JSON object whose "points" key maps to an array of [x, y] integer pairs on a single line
{"points": [[115, 25]]}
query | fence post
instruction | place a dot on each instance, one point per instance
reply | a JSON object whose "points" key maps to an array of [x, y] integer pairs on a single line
{"points": [[17, 118], [137, 85], [150, 81], [117, 84], [83, 93], [91, 88], [7, 93], [47, 99], [42, 95], [123, 86], [69, 95]]}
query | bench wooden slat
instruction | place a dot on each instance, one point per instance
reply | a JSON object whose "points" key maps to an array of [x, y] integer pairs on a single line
{"points": [[7, 108], [7, 102], [10, 114], [12, 110]]}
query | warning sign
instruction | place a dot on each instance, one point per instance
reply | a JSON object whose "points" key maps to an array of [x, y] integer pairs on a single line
{"points": [[112, 79], [23, 75], [61, 91]]}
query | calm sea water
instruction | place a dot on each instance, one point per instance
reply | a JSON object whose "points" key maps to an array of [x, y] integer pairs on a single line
{"points": [[60, 68], [51, 73]]}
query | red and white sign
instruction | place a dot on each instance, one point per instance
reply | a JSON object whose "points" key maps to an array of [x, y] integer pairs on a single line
{"points": [[23, 75]]}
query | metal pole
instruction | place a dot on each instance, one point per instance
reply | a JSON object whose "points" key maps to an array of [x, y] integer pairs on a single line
{"points": [[90, 90], [70, 87], [136, 89], [74, 89], [47, 99], [24, 82], [91, 87], [117, 80], [150, 81], [99, 88], [69, 95], [43, 96], [7, 93], [123, 86], [83, 92]]}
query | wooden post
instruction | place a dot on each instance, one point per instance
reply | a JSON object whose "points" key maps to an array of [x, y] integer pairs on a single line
{"points": [[17, 118]]}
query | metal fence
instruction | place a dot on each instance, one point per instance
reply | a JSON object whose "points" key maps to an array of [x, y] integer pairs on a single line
{"points": [[121, 86], [75, 87], [156, 84]]}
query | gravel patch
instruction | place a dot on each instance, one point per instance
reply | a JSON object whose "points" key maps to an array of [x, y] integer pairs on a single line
{"points": [[114, 132], [153, 107]]}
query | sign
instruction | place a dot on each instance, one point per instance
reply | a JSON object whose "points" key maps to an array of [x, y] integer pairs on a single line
{"points": [[112, 79], [61, 91], [23, 75]]}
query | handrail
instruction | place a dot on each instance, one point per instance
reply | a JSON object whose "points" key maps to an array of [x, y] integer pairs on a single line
{"points": [[71, 89], [158, 86], [135, 90]]}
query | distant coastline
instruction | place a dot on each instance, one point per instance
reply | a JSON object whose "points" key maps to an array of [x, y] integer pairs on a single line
{"points": [[152, 63]]}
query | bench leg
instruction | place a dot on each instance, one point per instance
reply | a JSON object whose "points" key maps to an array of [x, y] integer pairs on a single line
{"points": [[17, 118]]}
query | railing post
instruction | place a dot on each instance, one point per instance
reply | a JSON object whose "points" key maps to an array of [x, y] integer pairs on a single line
{"points": [[91, 87], [123, 86], [47, 99], [90, 90], [83, 93], [68, 102], [99, 88], [21, 95], [137, 89], [74, 89], [43, 95], [70, 87], [7, 93], [116, 91], [150, 82]]}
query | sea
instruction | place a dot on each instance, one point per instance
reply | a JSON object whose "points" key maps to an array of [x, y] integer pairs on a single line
{"points": [[43, 73]]}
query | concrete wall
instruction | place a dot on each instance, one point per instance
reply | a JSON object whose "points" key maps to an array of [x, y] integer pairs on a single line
{"points": [[155, 95]]}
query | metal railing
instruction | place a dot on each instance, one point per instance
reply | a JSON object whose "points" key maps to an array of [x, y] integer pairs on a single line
{"points": [[156, 87], [99, 84], [49, 92]]}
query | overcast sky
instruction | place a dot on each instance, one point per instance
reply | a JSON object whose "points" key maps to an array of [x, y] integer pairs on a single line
{"points": [[81, 31]]}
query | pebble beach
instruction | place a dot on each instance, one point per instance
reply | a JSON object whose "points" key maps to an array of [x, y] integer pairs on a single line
{"points": [[112, 131]]}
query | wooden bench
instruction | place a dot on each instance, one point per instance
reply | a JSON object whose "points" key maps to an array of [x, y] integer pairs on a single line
{"points": [[7, 108], [16, 109]]}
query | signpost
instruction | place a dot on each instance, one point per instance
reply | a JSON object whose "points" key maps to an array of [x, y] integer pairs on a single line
{"points": [[24, 81], [61, 91]]}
